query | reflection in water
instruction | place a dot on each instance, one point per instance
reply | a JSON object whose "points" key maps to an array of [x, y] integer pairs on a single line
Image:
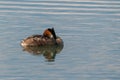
{"points": [[49, 52]]}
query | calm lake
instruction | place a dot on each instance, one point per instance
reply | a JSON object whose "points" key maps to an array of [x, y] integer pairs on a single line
{"points": [[90, 30]]}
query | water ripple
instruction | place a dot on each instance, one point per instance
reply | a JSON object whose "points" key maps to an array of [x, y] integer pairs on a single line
{"points": [[90, 30], [61, 7]]}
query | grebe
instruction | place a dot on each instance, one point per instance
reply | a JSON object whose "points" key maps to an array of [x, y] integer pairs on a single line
{"points": [[48, 38]]}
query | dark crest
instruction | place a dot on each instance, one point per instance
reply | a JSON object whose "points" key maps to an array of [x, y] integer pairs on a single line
{"points": [[53, 32]]}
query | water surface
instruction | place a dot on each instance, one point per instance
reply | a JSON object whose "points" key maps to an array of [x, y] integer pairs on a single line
{"points": [[90, 30]]}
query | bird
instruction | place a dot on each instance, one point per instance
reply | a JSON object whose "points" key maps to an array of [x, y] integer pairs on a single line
{"points": [[48, 38]]}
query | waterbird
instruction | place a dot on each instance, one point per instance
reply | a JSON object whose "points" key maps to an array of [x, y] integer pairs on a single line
{"points": [[48, 38]]}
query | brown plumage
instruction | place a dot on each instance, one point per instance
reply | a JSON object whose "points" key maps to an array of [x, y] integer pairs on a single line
{"points": [[48, 38]]}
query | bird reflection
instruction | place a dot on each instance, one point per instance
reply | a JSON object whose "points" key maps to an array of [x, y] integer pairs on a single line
{"points": [[49, 52]]}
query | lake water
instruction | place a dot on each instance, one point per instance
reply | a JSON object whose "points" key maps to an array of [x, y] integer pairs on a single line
{"points": [[90, 30]]}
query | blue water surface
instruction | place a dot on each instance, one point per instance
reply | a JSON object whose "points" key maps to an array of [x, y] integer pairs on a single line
{"points": [[90, 30]]}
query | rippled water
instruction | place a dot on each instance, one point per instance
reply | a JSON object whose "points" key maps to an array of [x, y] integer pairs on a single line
{"points": [[90, 30]]}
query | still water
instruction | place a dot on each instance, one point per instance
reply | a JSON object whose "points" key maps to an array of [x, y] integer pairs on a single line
{"points": [[90, 30]]}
